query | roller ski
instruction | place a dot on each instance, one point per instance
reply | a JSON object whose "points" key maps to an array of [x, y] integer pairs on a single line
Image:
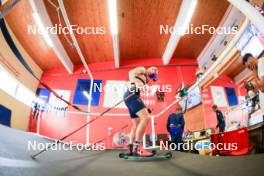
{"points": [[142, 154]]}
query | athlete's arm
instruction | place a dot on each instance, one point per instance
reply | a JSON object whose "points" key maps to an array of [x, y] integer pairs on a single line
{"points": [[136, 72]]}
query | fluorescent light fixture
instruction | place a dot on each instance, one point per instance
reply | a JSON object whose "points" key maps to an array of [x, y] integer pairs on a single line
{"points": [[188, 16], [86, 95], [42, 29], [116, 50], [112, 10], [182, 22]]}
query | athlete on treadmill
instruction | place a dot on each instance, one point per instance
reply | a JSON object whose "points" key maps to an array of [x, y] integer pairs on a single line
{"points": [[139, 114]]}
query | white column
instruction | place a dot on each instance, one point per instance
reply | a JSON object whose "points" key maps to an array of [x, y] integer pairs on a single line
{"points": [[116, 50]]}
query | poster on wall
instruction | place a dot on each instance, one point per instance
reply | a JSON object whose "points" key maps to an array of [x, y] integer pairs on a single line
{"points": [[50, 103], [43, 94], [57, 103], [81, 94], [231, 96], [148, 97], [114, 92], [218, 95], [54, 104]]}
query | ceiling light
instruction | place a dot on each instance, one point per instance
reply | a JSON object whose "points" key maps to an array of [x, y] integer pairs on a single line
{"points": [[188, 16], [113, 16], [42, 29]]}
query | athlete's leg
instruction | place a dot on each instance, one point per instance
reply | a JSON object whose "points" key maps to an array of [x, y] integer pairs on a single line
{"points": [[144, 117], [135, 122], [141, 128]]}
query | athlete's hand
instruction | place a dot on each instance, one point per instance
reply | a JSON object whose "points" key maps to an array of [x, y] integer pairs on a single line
{"points": [[149, 110], [160, 95]]}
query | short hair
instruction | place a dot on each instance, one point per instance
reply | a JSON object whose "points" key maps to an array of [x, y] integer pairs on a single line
{"points": [[245, 58], [214, 106]]}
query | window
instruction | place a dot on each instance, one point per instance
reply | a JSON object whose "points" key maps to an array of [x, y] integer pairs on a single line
{"points": [[15, 89], [25, 95], [7, 83]]}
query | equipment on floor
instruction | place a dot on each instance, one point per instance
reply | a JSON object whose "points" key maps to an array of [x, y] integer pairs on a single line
{"points": [[165, 156]]}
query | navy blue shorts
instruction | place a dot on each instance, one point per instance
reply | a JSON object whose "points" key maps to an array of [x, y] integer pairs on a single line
{"points": [[134, 104], [222, 127]]}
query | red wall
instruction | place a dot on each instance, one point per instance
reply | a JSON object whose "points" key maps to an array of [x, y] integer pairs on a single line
{"points": [[56, 127]]}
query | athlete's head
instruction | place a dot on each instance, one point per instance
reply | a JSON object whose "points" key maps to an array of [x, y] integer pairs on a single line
{"points": [[152, 73]]}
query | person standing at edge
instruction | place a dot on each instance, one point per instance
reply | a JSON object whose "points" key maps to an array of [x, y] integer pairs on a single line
{"points": [[257, 84], [175, 126]]}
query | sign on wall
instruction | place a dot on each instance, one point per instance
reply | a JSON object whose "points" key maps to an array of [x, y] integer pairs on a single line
{"points": [[219, 96], [50, 103], [57, 103], [114, 92], [231, 96], [81, 94], [43, 94]]}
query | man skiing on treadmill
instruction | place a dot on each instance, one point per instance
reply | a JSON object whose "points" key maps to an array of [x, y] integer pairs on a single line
{"points": [[139, 114]]}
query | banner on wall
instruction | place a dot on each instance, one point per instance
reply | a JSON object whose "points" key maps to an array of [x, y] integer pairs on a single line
{"points": [[82, 91], [57, 103], [50, 103], [149, 97], [231, 96], [114, 92], [218, 95], [43, 94]]}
